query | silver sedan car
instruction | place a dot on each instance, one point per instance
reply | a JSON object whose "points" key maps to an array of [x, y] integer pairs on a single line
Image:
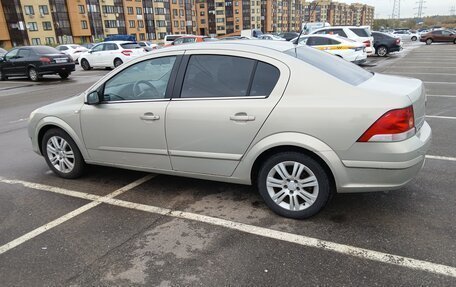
{"points": [[298, 123]]}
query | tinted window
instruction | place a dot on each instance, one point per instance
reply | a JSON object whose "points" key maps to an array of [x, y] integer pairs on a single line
{"points": [[130, 46], [172, 38], [318, 41], [62, 48], [189, 40], [11, 54], [110, 47], [142, 81], [437, 33], [360, 32], [178, 41], [98, 48], [23, 53], [339, 32], [265, 79], [217, 76], [335, 66], [41, 50]]}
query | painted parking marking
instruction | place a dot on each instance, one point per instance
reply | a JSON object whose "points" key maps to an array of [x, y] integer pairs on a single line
{"points": [[18, 121], [441, 157], [441, 83], [96, 200], [302, 240], [441, 117], [441, 96]]}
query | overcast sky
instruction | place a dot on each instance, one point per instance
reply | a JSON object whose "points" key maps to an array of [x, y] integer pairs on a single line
{"points": [[384, 8]]}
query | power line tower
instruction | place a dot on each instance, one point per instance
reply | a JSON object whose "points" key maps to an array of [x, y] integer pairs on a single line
{"points": [[453, 10], [420, 8], [396, 10]]}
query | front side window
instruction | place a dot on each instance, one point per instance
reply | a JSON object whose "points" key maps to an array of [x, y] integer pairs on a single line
{"points": [[23, 53], [11, 54], [98, 48], [217, 76], [142, 81]]}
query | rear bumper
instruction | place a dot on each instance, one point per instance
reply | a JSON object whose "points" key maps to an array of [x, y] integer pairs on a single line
{"points": [[395, 49], [56, 68], [394, 166]]}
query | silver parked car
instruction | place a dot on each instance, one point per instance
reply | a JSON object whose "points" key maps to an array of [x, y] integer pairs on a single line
{"points": [[298, 123]]}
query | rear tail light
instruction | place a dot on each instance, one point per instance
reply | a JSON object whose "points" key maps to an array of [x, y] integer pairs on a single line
{"points": [[45, 60], [398, 41], [367, 43], [127, 52], [395, 125]]}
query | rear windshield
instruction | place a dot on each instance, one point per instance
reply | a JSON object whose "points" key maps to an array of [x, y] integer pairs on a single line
{"points": [[209, 39], [130, 46], [74, 47], [361, 32], [41, 50], [171, 38], [335, 66]]}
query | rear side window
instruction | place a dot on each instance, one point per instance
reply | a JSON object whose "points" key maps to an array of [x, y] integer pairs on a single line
{"points": [[41, 50], [24, 53], [335, 66], [361, 32], [339, 32], [110, 47], [171, 38], [130, 46], [217, 76], [264, 80]]}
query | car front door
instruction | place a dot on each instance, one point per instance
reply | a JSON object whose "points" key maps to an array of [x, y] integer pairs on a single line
{"points": [[219, 107], [8, 63], [128, 127], [95, 56], [109, 54], [447, 36], [22, 60]]}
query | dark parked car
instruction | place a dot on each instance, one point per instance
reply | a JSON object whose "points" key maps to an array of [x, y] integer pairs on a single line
{"points": [[288, 35], [2, 52], [438, 36], [385, 44], [34, 62]]}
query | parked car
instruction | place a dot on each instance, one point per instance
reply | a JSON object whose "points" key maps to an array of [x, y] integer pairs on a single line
{"points": [[73, 50], [344, 48], [438, 36], [148, 46], [2, 52], [297, 122], [170, 38], [385, 44], [34, 62], [288, 35], [88, 45], [234, 38], [270, 37], [359, 34], [191, 39], [406, 35], [110, 54]]}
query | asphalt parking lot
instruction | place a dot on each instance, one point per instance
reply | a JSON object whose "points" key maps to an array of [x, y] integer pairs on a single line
{"points": [[124, 228]]}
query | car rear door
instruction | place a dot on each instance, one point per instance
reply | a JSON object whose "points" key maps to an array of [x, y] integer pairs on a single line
{"points": [[219, 104], [22, 61], [8, 65]]}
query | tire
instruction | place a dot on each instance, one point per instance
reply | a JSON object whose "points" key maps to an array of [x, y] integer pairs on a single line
{"points": [[309, 197], [64, 75], [117, 62], [382, 51], [454, 42], [65, 160], [429, 41], [2, 76], [414, 38], [33, 74], [85, 65]]}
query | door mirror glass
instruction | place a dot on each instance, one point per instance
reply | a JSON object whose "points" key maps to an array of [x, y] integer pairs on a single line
{"points": [[2, 59], [93, 98]]}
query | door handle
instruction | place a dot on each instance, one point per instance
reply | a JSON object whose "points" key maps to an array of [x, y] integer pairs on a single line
{"points": [[149, 117], [242, 117]]}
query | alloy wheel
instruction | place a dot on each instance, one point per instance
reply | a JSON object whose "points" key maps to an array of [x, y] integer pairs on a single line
{"points": [[382, 51], [292, 186], [33, 74], [60, 154]]}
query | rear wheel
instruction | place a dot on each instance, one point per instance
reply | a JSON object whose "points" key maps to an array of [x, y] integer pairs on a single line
{"points": [[117, 62], [62, 154], [454, 42], [85, 65], [429, 41], [414, 38], [64, 75], [294, 185], [382, 51], [33, 74]]}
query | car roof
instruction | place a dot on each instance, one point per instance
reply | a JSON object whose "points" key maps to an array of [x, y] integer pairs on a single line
{"points": [[117, 42], [241, 45]]}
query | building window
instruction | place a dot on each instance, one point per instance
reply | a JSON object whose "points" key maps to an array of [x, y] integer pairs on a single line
{"points": [[132, 23], [176, 23], [81, 9], [138, 11], [142, 37], [36, 41], [32, 26], [84, 24], [44, 10], [47, 26], [28, 9], [130, 10], [50, 41], [140, 24]]}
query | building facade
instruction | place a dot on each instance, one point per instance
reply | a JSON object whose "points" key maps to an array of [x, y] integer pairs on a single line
{"points": [[52, 22]]}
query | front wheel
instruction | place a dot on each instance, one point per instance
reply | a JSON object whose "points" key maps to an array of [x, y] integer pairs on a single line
{"points": [[294, 185], [382, 51], [414, 38], [117, 62], [62, 154], [85, 65], [64, 75], [33, 74], [428, 41]]}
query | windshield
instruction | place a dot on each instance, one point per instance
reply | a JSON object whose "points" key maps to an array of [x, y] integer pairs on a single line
{"points": [[335, 66], [130, 46], [361, 32]]}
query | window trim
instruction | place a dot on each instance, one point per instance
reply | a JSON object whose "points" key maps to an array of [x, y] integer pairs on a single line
{"points": [[177, 90], [169, 87]]}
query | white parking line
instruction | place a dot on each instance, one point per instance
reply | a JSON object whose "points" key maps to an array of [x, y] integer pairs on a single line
{"points": [[441, 96], [441, 157], [246, 228], [441, 83], [441, 117], [414, 73], [10, 245]]}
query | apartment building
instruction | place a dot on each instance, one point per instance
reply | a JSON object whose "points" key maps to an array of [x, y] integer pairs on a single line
{"points": [[52, 22]]}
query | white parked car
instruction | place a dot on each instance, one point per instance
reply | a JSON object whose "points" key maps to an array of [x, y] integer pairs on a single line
{"points": [[347, 49], [358, 34], [72, 50], [148, 46], [406, 35], [110, 54], [270, 37], [170, 38]]}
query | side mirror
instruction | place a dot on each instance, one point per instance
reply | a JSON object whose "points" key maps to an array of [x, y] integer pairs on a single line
{"points": [[2, 59], [90, 51], [93, 98]]}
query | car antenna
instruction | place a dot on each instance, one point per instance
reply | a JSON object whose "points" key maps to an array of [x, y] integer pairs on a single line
{"points": [[302, 30]]}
